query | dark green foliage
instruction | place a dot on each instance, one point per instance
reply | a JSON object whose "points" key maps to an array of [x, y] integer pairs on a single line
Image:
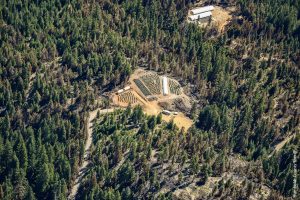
{"points": [[54, 52], [145, 159], [280, 167]]}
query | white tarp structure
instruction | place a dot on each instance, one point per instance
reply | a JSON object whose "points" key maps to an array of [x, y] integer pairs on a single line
{"points": [[201, 13], [120, 91], [202, 10], [165, 86], [200, 16], [126, 88]]}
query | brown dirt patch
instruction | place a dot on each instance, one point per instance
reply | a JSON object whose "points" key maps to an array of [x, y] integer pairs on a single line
{"points": [[180, 120], [221, 17]]}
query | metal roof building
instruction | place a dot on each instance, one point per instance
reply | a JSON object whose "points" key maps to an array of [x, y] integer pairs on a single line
{"points": [[202, 10], [200, 16]]}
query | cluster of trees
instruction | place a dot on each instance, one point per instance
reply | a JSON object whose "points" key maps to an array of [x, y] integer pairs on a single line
{"points": [[136, 156], [249, 76], [41, 139], [280, 168], [139, 156]]}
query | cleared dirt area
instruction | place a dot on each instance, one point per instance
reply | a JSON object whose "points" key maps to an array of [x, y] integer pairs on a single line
{"points": [[145, 88], [180, 120], [221, 17]]}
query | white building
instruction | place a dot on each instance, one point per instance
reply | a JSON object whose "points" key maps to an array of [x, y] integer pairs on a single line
{"points": [[202, 10], [165, 86], [200, 16]]}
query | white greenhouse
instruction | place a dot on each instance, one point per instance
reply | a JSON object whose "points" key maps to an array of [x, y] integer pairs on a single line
{"points": [[165, 86], [200, 16], [202, 10]]}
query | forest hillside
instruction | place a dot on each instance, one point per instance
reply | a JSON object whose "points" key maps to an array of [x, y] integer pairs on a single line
{"points": [[59, 60]]}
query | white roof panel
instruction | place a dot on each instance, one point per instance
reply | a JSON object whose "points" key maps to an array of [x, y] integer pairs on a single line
{"points": [[202, 10], [200, 16]]}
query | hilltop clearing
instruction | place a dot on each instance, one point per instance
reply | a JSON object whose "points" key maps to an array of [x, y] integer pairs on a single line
{"points": [[145, 88]]}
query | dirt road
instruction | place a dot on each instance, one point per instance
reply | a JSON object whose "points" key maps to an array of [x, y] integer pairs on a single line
{"points": [[281, 144], [83, 168]]}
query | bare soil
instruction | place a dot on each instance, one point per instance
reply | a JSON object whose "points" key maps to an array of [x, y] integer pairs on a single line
{"points": [[221, 17]]}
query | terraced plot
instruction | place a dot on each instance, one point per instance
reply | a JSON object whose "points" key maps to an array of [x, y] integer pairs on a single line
{"points": [[127, 97], [152, 81], [174, 87], [142, 87]]}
